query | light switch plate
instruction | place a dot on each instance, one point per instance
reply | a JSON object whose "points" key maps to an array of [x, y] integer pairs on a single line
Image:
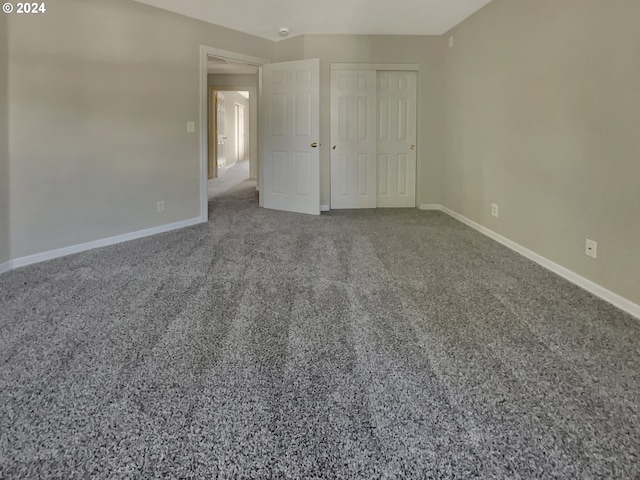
{"points": [[191, 126]]}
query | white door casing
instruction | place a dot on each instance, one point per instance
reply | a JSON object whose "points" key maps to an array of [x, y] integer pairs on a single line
{"points": [[353, 139], [397, 96], [290, 135]]}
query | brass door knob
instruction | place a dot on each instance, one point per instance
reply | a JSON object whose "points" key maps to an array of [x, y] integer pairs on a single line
{"points": [[314, 144], [412, 147], [335, 147]]}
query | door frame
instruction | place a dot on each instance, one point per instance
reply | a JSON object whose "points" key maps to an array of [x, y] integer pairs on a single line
{"points": [[212, 134], [395, 67], [205, 52]]}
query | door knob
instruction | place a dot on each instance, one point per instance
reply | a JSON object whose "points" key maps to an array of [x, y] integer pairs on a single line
{"points": [[412, 147], [314, 144], [335, 147]]}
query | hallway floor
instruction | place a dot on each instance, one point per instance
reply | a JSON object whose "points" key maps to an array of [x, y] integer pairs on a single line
{"points": [[228, 178]]}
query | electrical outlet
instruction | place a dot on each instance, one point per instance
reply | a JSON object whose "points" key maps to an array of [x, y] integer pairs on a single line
{"points": [[494, 209], [160, 206], [591, 248]]}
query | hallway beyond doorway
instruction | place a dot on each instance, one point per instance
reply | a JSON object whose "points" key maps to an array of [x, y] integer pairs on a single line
{"points": [[228, 179]]}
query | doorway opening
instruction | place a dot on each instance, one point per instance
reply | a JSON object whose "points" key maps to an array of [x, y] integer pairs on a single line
{"points": [[232, 125], [230, 136], [227, 71]]}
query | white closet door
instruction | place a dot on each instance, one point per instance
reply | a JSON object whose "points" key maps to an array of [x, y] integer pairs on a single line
{"points": [[397, 95], [353, 139]]}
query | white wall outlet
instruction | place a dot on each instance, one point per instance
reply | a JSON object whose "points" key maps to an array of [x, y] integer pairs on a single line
{"points": [[591, 248], [494, 209], [191, 126], [160, 206], [451, 41]]}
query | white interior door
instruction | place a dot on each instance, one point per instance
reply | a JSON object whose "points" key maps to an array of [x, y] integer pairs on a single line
{"points": [[290, 132], [397, 95], [221, 130], [353, 139]]}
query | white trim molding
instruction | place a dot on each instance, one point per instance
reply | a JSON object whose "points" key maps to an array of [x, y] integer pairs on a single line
{"points": [[324, 208], [104, 242], [430, 206], [6, 266], [598, 290], [376, 66]]}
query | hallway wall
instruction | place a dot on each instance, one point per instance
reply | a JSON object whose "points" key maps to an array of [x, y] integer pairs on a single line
{"points": [[231, 98], [242, 82]]}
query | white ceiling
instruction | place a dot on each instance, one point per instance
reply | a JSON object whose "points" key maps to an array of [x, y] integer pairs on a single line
{"points": [[385, 17]]}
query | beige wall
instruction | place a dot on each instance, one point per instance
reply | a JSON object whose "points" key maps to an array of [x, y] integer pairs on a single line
{"points": [[543, 118], [290, 49], [422, 50], [100, 95], [4, 144], [230, 80]]}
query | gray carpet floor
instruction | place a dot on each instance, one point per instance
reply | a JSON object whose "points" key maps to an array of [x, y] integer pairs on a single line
{"points": [[356, 345], [228, 178]]}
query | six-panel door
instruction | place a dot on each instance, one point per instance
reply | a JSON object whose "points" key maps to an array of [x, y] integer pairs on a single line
{"points": [[397, 139], [353, 138], [290, 159]]}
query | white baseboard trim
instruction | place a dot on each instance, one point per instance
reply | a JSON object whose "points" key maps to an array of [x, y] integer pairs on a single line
{"points": [[6, 266], [324, 208], [430, 206], [591, 287], [104, 242]]}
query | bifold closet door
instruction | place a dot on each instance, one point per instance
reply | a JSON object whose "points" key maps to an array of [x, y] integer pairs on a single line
{"points": [[353, 139], [396, 142]]}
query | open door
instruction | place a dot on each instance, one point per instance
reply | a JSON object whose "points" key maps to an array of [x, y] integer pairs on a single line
{"points": [[212, 164], [221, 131], [216, 136], [290, 132]]}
